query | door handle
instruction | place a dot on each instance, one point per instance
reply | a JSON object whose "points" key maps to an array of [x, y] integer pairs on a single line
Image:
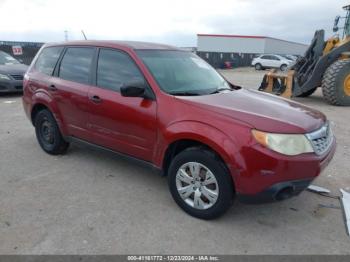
{"points": [[96, 99], [52, 88]]}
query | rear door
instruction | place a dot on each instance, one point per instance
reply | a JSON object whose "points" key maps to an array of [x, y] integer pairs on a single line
{"points": [[276, 62], [41, 75], [124, 124], [70, 88]]}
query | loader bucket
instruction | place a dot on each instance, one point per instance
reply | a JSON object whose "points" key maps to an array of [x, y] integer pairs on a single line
{"points": [[278, 83]]}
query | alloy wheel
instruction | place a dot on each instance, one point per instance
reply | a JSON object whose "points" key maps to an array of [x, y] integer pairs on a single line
{"points": [[197, 185]]}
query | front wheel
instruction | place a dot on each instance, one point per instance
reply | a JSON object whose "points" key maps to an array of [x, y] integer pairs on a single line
{"points": [[336, 83], [200, 183], [283, 67], [48, 133], [308, 93], [258, 66]]}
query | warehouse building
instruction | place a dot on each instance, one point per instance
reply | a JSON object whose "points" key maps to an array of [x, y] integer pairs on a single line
{"points": [[240, 50]]}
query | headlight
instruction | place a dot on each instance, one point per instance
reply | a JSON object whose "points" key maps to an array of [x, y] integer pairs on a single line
{"points": [[2, 76], [287, 144]]}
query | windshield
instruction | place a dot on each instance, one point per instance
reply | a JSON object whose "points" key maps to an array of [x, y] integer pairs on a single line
{"points": [[182, 73], [287, 57], [6, 59]]}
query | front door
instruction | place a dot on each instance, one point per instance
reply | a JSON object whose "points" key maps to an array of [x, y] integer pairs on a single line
{"points": [[124, 124]]}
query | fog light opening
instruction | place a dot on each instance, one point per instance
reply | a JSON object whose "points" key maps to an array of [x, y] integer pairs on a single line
{"points": [[284, 193]]}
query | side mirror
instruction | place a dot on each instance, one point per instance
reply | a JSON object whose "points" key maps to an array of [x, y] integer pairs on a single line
{"points": [[133, 89], [336, 21]]}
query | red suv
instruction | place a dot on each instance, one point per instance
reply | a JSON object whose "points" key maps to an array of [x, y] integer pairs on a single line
{"points": [[170, 109]]}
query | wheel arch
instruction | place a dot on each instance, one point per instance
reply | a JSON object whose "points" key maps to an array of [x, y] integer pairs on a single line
{"points": [[283, 64], [35, 110], [42, 100], [217, 142]]}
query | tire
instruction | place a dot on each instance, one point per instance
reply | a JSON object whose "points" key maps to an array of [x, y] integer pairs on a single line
{"points": [[258, 66], [283, 67], [308, 93], [195, 202], [333, 83], [48, 134]]}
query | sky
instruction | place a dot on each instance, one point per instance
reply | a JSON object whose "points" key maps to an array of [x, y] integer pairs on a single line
{"points": [[175, 22]]}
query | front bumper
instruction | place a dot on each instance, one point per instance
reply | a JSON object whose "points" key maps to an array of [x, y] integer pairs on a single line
{"points": [[269, 176], [7, 86], [276, 192]]}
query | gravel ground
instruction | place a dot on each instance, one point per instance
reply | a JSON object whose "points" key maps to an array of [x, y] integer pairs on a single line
{"points": [[93, 202]]}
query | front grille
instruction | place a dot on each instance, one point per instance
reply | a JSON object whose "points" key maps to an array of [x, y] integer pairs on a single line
{"points": [[321, 139], [19, 87], [17, 77]]}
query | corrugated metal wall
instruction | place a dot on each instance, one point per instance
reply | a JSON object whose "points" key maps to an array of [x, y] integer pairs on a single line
{"points": [[276, 46], [230, 44], [217, 49]]}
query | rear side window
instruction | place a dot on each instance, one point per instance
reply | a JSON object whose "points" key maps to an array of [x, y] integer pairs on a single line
{"points": [[47, 59], [116, 68], [76, 63]]}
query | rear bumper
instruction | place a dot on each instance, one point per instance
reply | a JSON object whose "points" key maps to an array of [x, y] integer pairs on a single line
{"points": [[276, 192], [7, 86]]}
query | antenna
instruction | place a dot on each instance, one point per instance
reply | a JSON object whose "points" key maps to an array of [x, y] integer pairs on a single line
{"points": [[65, 35], [82, 31]]}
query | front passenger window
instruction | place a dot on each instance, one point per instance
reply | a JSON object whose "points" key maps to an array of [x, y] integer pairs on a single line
{"points": [[116, 68]]}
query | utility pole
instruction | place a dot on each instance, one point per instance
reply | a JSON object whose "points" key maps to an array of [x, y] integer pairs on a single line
{"points": [[82, 31], [65, 35]]}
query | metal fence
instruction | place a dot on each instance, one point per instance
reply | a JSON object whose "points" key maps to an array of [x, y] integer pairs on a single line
{"points": [[29, 49], [219, 60]]}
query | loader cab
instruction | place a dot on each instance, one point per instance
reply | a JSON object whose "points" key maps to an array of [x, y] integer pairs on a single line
{"points": [[346, 27]]}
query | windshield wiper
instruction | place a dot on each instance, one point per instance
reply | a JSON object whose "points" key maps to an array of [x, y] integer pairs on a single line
{"points": [[220, 89], [183, 93]]}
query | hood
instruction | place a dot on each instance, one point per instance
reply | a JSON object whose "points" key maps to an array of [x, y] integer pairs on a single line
{"points": [[260, 110], [287, 61], [14, 69]]}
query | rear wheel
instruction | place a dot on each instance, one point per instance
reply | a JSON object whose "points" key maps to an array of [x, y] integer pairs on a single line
{"points": [[308, 93], [336, 83], [200, 183], [48, 133], [258, 66]]}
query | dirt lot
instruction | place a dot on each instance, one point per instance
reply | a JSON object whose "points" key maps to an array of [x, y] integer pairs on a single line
{"points": [[93, 202]]}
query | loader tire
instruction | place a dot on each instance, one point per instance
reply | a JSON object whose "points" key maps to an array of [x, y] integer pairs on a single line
{"points": [[308, 93], [336, 83]]}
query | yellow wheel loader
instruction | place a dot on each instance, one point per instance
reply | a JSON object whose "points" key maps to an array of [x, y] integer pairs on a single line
{"points": [[325, 64]]}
